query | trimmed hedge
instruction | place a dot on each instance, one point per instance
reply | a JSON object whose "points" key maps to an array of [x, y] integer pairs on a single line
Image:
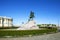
{"points": [[9, 27], [16, 33]]}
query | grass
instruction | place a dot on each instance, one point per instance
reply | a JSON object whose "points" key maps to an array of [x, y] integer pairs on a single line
{"points": [[17, 33]]}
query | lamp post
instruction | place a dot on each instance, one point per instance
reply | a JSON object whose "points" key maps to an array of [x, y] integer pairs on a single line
{"points": [[58, 23], [58, 26]]}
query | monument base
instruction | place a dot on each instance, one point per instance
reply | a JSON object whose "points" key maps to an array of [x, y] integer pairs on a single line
{"points": [[29, 26]]}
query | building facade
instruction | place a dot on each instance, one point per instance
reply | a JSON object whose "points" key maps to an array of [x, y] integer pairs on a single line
{"points": [[6, 22]]}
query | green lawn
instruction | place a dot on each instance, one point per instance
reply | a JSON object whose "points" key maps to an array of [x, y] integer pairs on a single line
{"points": [[16, 33]]}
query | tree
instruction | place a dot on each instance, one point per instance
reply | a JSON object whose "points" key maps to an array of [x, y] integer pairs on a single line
{"points": [[31, 16]]}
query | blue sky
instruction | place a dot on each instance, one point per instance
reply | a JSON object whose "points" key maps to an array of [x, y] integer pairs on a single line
{"points": [[46, 11]]}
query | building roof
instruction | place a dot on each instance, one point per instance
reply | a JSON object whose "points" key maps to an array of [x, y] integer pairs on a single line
{"points": [[5, 17]]}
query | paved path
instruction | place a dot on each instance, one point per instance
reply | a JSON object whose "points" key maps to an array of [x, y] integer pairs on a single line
{"points": [[55, 36]]}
